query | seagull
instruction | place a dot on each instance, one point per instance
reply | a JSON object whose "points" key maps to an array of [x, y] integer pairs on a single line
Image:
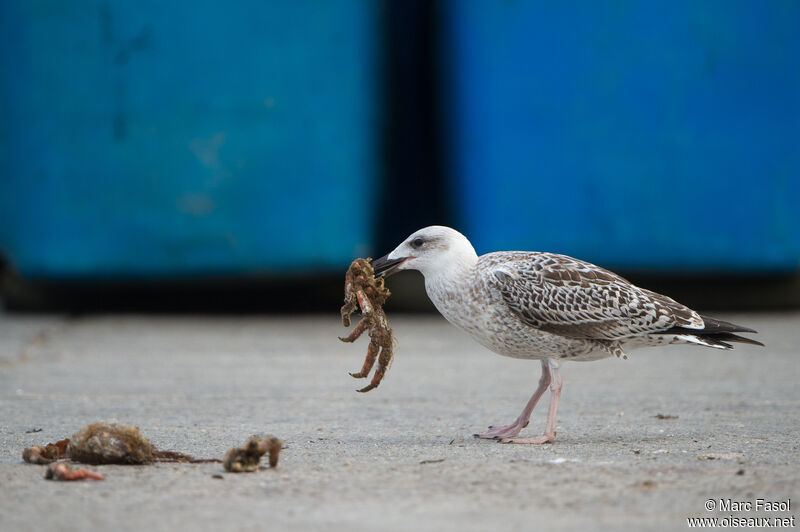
{"points": [[546, 307]]}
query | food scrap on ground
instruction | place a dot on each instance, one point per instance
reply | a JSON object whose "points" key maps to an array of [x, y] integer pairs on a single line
{"points": [[246, 458], [114, 443], [110, 443], [46, 454], [362, 289], [106, 443], [64, 471]]}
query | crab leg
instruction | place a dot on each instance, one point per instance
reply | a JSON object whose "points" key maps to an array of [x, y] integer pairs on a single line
{"points": [[383, 364], [346, 315], [356, 332], [372, 353], [350, 303], [364, 303]]}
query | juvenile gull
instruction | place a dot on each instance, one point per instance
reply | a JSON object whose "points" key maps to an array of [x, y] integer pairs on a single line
{"points": [[546, 307]]}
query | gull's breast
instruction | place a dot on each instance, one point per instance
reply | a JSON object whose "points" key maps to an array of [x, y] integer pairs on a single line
{"points": [[475, 307]]}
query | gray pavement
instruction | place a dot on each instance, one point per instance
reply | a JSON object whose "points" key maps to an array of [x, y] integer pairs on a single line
{"points": [[400, 457]]}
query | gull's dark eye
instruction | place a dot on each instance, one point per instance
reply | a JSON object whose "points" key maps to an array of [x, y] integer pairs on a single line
{"points": [[417, 243]]}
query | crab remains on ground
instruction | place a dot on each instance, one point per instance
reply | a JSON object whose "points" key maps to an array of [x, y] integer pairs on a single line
{"points": [[246, 459]]}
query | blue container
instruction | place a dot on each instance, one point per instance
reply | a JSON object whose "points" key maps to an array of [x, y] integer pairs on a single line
{"points": [[640, 135], [142, 139]]}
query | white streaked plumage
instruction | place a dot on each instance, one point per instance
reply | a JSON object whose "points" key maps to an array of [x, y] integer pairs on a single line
{"points": [[548, 307]]}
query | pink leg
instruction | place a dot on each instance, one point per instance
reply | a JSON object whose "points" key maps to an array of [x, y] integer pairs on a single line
{"points": [[498, 432], [549, 435]]}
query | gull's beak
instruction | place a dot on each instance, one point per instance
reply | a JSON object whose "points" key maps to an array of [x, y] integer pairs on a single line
{"points": [[384, 266]]}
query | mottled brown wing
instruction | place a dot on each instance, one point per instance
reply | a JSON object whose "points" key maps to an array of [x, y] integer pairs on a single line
{"points": [[569, 297]]}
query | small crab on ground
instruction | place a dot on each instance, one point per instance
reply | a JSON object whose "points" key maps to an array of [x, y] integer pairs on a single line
{"points": [[245, 459], [363, 289]]}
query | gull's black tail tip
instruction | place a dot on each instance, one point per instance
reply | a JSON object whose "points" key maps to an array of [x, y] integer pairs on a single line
{"points": [[719, 331], [729, 337], [714, 326]]}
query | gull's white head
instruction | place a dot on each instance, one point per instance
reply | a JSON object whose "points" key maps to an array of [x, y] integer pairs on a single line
{"points": [[432, 250]]}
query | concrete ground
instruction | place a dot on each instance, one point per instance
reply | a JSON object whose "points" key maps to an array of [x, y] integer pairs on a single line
{"points": [[399, 457]]}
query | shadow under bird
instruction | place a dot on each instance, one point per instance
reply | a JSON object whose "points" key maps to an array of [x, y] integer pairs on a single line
{"points": [[547, 307]]}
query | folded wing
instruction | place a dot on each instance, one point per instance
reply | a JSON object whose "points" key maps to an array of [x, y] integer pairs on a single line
{"points": [[573, 298]]}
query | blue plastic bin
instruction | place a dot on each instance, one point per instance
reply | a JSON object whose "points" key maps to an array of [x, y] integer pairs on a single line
{"points": [[151, 139], [640, 135]]}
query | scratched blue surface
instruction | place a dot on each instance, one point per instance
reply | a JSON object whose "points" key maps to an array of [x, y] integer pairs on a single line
{"points": [[170, 138], [645, 135]]}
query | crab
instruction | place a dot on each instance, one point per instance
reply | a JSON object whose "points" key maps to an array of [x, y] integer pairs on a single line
{"points": [[245, 459], [363, 289]]}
